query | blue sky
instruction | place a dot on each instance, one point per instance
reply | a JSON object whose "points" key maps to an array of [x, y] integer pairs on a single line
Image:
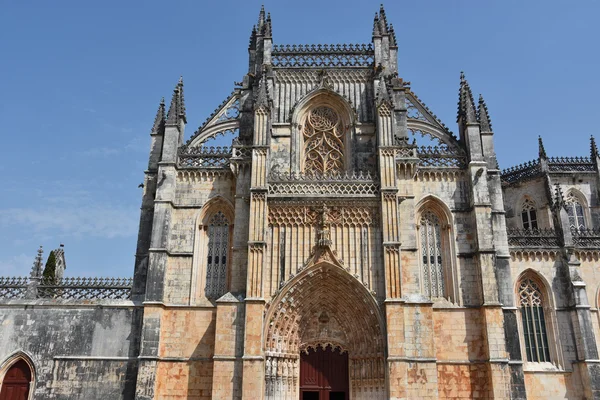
{"points": [[81, 82]]}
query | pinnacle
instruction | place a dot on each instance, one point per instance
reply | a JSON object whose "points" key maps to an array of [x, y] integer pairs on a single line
{"points": [[261, 16], [383, 25], [542, 149], [483, 116], [558, 196], [263, 95], [466, 104], [177, 106], [268, 27], [252, 43], [159, 120], [593, 149], [376, 30], [392, 36]]}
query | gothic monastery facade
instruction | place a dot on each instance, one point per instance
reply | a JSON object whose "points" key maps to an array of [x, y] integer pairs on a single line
{"points": [[344, 244]]}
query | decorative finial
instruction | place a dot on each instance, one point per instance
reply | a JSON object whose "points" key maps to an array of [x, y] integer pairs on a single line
{"points": [[466, 104], [159, 120], [483, 116], [593, 149], [177, 107], [541, 149]]}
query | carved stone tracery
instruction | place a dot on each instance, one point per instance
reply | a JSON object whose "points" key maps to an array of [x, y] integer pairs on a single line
{"points": [[323, 141]]}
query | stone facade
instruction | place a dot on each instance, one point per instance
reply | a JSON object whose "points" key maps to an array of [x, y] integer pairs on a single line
{"points": [[344, 215]]}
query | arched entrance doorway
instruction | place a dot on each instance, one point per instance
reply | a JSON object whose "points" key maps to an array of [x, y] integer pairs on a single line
{"points": [[16, 382], [324, 307], [324, 374]]}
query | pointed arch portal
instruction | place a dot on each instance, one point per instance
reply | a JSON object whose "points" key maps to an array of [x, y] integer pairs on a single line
{"points": [[321, 317], [16, 382]]}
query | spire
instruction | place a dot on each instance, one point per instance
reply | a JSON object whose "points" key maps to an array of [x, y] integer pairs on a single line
{"points": [[159, 120], [593, 149], [482, 115], [541, 150], [466, 104], [376, 30], [393, 42], [37, 268], [261, 19], [383, 25], [268, 27], [177, 107]]}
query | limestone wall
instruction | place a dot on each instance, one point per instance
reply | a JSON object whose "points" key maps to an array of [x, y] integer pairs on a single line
{"points": [[79, 351]]}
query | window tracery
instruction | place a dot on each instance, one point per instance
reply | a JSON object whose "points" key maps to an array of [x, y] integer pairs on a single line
{"points": [[432, 255], [217, 256], [323, 142], [575, 212], [535, 335], [529, 215]]}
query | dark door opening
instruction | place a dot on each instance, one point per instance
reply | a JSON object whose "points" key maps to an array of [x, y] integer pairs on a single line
{"points": [[15, 385], [323, 375]]}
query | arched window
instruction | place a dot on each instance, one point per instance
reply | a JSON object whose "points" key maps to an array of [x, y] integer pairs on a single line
{"points": [[217, 256], [323, 133], [16, 382], [528, 215], [533, 320], [432, 255], [575, 212]]}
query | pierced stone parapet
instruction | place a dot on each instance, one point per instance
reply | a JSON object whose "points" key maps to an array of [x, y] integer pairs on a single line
{"points": [[522, 172], [355, 183], [204, 157], [532, 238], [87, 289], [319, 55], [586, 238], [441, 156], [13, 287], [570, 164], [68, 288]]}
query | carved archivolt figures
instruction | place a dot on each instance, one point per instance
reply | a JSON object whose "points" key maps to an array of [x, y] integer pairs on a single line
{"points": [[323, 141]]}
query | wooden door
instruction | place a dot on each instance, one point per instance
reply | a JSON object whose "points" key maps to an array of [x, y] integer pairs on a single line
{"points": [[323, 375], [15, 385]]}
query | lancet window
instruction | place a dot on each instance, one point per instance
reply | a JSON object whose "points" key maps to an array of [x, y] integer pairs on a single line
{"points": [[529, 215], [217, 256], [323, 134], [575, 212], [533, 320], [432, 255]]}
